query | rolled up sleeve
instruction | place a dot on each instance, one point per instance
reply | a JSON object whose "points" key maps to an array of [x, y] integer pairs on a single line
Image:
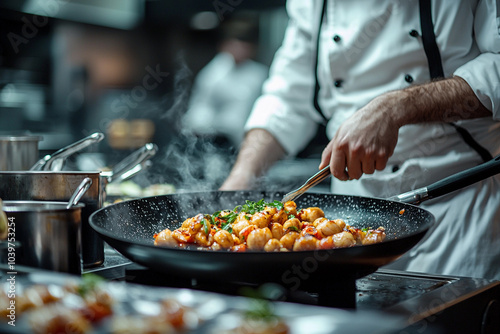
{"points": [[483, 72], [285, 108]]}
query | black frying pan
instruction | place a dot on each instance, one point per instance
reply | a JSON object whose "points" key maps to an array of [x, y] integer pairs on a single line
{"points": [[129, 227]]}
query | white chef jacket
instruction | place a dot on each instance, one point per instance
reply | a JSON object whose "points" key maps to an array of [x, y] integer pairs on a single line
{"points": [[223, 95], [366, 49]]}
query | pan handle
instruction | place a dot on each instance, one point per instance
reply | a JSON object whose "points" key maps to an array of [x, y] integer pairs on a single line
{"points": [[451, 183]]}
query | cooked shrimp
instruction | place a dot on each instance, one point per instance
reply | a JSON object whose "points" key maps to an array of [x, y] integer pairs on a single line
{"points": [[374, 236], [310, 214], [165, 238], [290, 207], [277, 230], [258, 238], [292, 224], [236, 240], [239, 248], [224, 239], [194, 224], [216, 247], [343, 239], [319, 220], [288, 239], [183, 236], [261, 219], [326, 243], [273, 245], [328, 227], [267, 226], [239, 225], [203, 240], [278, 216], [306, 242]]}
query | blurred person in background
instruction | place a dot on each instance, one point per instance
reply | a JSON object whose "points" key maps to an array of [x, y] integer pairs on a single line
{"points": [[226, 88]]}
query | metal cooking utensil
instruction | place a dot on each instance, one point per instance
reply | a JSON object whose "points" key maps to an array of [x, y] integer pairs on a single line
{"points": [[132, 164], [56, 161], [444, 186], [311, 182], [79, 192]]}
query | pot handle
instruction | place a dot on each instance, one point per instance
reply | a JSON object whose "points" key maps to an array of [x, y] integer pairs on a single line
{"points": [[79, 192], [132, 164], [451, 183], [55, 161]]}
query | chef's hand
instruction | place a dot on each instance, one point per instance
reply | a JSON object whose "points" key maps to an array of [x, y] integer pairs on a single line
{"points": [[365, 141]]}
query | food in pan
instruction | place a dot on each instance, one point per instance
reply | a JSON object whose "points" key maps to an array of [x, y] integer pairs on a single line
{"points": [[267, 226]]}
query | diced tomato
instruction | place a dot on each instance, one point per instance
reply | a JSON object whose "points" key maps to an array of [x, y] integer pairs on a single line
{"points": [[246, 231], [311, 230]]}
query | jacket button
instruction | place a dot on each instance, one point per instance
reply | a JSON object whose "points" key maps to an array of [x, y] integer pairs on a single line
{"points": [[338, 83], [408, 78], [337, 38], [413, 33]]}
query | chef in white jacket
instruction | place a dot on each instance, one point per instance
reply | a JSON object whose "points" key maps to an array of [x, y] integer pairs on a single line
{"points": [[226, 88], [410, 93]]}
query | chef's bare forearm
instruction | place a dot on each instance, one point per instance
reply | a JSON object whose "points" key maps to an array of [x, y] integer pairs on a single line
{"points": [[259, 151], [365, 141], [445, 100]]}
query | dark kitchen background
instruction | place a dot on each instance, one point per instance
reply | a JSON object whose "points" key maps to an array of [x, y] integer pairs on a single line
{"points": [[126, 68]]}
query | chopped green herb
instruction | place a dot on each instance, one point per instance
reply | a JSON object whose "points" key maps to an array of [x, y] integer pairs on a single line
{"points": [[205, 222], [228, 228], [294, 228], [89, 283], [250, 208], [277, 204], [260, 307]]}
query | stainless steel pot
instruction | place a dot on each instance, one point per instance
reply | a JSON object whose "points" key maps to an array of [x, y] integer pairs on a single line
{"points": [[18, 152], [59, 186], [48, 234]]}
